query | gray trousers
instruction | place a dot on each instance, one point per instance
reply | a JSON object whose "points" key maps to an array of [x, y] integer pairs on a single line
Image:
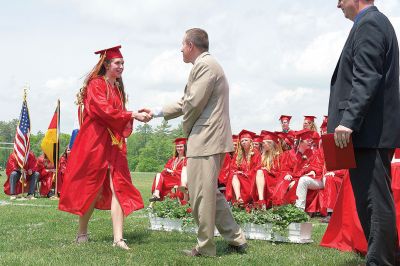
{"points": [[209, 206], [16, 175]]}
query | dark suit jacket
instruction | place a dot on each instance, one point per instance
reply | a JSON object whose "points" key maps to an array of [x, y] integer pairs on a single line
{"points": [[365, 85]]}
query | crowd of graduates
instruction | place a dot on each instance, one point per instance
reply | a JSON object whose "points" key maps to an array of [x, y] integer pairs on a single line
{"points": [[38, 176], [269, 169]]}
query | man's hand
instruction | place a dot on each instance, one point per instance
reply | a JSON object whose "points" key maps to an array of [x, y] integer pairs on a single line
{"points": [[142, 116], [147, 110], [342, 136]]}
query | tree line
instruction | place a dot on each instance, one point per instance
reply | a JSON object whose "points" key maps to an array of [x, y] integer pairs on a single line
{"points": [[149, 147]]}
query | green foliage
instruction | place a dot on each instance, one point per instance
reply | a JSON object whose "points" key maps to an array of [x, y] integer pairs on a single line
{"points": [[171, 208], [37, 233], [280, 216]]}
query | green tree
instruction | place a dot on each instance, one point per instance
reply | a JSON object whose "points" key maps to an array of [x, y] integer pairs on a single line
{"points": [[136, 142]]}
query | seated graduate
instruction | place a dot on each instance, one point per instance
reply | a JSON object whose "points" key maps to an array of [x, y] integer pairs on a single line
{"points": [[47, 171], [297, 163], [225, 172], [62, 166], [267, 176], [257, 142], [12, 186], [171, 177], [245, 164]]}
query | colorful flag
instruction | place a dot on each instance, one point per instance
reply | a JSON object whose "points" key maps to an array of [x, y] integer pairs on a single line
{"points": [[22, 136], [49, 143]]}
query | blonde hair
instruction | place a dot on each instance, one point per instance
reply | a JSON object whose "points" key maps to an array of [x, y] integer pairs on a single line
{"points": [[99, 70], [268, 157], [240, 153]]}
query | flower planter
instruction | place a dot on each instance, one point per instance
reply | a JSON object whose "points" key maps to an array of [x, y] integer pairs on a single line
{"points": [[167, 224], [256, 231], [297, 233]]}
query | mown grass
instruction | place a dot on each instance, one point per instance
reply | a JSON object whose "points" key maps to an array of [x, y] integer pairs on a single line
{"points": [[36, 233]]}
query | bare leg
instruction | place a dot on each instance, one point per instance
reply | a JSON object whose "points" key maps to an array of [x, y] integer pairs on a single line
{"points": [[236, 186], [84, 220], [260, 183], [156, 191], [116, 214]]}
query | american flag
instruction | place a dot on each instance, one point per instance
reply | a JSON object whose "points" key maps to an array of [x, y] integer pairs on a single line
{"points": [[21, 142]]}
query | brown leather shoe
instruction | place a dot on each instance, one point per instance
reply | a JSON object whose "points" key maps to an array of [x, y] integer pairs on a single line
{"points": [[191, 253]]}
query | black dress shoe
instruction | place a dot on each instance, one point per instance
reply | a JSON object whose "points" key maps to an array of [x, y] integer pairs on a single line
{"points": [[154, 199], [242, 249], [191, 253]]}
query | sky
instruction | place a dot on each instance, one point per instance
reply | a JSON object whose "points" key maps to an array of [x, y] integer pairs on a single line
{"points": [[278, 56]]}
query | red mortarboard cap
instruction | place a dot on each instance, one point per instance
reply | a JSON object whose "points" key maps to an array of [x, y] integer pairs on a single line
{"points": [[285, 117], [257, 138], [324, 122], [246, 134], [268, 135], [305, 134], [235, 138], [180, 141], [111, 53], [309, 117]]}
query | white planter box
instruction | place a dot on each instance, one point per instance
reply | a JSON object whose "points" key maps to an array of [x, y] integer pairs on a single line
{"points": [[166, 224], [297, 233]]}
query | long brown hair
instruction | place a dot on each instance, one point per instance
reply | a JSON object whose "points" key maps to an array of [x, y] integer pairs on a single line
{"points": [[99, 70]]}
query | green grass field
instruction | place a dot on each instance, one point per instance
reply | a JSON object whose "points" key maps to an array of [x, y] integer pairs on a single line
{"points": [[36, 233]]}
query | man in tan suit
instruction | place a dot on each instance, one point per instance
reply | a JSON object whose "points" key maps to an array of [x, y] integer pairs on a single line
{"points": [[205, 110]]}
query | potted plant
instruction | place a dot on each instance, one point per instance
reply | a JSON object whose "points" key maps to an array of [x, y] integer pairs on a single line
{"points": [[282, 223]]}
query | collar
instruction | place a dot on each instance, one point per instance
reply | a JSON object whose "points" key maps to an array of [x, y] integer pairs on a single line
{"points": [[201, 56], [361, 14]]}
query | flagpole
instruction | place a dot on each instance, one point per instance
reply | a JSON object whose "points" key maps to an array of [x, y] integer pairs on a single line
{"points": [[23, 174], [57, 146]]}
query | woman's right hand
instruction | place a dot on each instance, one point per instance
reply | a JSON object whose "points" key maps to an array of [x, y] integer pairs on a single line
{"points": [[141, 116]]}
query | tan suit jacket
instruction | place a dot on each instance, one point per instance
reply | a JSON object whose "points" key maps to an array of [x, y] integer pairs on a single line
{"points": [[205, 109]]}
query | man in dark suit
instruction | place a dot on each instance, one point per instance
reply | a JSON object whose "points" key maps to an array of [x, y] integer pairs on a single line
{"points": [[364, 103]]}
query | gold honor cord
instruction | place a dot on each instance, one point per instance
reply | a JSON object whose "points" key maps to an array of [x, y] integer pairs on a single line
{"points": [[114, 139]]}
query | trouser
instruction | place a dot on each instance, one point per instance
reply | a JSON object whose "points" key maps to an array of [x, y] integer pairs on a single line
{"points": [[16, 175], [209, 206], [306, 183], [371, 182]]}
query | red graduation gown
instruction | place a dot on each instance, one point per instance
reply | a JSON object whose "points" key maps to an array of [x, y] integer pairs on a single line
{"points": [[246, 173], [12, 165], [225, 170], [344, 231], [168, 180], [94, 155], [46, 171]]}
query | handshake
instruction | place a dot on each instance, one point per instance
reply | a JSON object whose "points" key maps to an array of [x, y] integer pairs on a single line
{"points": [[143, 115]]}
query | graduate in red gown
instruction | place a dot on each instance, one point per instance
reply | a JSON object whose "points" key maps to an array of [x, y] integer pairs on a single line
{"points": [[244, 167], [47, 174], [286, 132], [295, 164], [97, 174], [257, 142], [62, 166], [226, 167], [309, 123], [13, 186], [171, 177], [267, 176]]}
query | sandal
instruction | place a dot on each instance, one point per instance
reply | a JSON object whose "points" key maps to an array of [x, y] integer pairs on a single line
{"points": [[82, 238], [121, 244]]}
